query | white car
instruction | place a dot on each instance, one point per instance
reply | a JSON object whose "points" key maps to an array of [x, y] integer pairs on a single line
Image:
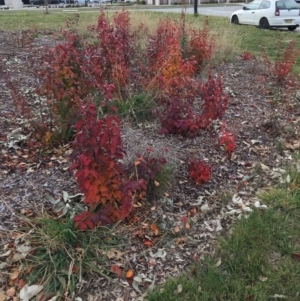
{"points": [[269, 13]]}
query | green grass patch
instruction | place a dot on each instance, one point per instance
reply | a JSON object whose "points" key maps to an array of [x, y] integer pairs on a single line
{"points": [[136, 109], [258, 259], [62, 257]]}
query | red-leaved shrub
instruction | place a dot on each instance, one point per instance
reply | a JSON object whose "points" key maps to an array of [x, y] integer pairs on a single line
{"points": [[199, 171], [97, 151], [285, 60], [226, 138]]}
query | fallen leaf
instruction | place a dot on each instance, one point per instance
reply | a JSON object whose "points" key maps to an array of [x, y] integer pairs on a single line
{"points": [[18, 256], [187, 226], [159, 254], [114, 254], [5, 254], [181, 240], [129, 274], [138, 279], [263, 279], [27, 292], [176, 229], [156, 183], [264, 167], [2, 297], [183, 219], [204, 207], [179, 289], [294, 146], [24, 248], [115, 269], [11, 292], [135, 285], [90, 297], [154, 229], [148, 243], [14, 275], [218, 263]]}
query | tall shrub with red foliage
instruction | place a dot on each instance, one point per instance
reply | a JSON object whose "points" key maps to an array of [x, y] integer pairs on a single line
{"points": [[214, 101], [173, 72], [179, 116], [169, 71], [97, 151], [110, 57], [201, 46]]}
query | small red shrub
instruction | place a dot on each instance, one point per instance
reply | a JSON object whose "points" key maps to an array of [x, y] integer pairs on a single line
{"points": [[284, 62], [148, 167], [226, 138], [199, 171]]}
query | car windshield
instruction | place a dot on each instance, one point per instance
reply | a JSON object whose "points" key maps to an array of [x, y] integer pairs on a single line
{"points": [[287, 4]]}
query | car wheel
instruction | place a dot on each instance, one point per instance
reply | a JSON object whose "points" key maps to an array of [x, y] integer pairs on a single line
{"points": [[292, 28], [235, 20], [264, 23]]}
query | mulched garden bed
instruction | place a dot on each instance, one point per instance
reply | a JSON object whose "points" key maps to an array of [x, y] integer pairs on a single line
{"points": [[189, 218]]}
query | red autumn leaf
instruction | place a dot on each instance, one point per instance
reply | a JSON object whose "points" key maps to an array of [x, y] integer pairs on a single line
{"points": [[183, 219], [115, 269]]}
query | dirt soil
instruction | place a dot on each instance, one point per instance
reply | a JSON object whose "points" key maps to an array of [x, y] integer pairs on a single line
{"points": [[266, 126]]}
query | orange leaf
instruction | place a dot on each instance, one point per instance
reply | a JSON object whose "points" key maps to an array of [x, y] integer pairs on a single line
{"points": [[115, 269], [148, 243], [129, 274], [47, 137], [14, 275], [137, 162], [154, 229]]}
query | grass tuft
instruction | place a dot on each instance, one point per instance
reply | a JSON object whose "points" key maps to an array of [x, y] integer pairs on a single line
{"points": [[62, 257]]}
